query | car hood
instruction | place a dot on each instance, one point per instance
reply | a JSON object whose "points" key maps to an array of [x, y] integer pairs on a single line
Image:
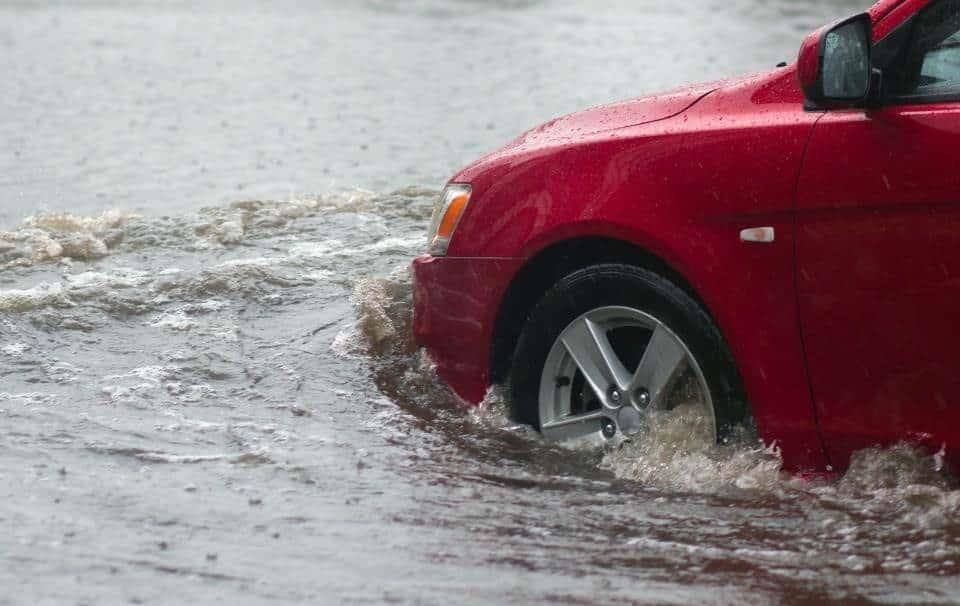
{"points": [[578, 126], [614, 116]]}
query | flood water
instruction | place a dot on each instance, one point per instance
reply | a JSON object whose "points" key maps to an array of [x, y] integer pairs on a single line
{"points": [[207, 388]]}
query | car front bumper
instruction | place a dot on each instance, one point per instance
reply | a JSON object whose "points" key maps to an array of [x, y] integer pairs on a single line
{"points": [[456, 302]]}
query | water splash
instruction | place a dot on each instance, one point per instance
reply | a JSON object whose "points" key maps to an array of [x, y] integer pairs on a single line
{"points": [[42, 295], [385, 313], [674, 451], [53, 236], [56, 236]]}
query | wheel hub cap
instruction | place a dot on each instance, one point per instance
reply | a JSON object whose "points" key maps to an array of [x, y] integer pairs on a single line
{"points": [[629, 420], [608, 369]]}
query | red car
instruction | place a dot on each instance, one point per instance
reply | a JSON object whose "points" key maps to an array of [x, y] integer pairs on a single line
{"points": [[784, 247]]}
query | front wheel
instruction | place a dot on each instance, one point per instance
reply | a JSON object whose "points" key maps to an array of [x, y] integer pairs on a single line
{"points": [[608, 345]]}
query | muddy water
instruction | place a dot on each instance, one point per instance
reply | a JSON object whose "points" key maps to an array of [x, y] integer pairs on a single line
{"points": [[209, 396]]}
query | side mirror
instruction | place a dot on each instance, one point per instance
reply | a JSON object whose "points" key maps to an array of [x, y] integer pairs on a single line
{"points": [[835, 66]]}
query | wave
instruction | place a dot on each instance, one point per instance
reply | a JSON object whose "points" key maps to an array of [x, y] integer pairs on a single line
{"points": [[56, 236]]}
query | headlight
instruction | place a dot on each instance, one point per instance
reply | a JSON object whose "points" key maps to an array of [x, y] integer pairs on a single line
{"points": [[446, 215]]}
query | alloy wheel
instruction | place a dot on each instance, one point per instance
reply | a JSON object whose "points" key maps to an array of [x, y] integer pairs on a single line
{"points": [[609, 369]]}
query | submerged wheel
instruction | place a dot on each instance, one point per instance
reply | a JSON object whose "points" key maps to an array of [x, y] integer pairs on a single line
{"points": [[610, 343]]}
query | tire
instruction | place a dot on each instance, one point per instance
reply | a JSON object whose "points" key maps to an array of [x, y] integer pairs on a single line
{"points": [[631, 292]]}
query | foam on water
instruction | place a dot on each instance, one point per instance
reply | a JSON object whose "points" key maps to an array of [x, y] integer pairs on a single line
{"points": [[122, 290], [673, 452], [192, 317], [14, 350], [148, 456], [55, 236], [42, 295], [52, 236]]}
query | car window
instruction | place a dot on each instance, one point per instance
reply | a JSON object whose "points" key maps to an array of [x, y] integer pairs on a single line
{"points": [[941, 65], [932, 59]]}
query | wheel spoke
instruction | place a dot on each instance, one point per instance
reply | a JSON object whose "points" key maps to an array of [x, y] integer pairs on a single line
{"points": [[662, 362], [573, 428], [590, 349]]}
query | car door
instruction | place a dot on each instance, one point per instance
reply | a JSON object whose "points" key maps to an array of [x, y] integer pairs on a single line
{"points": [[878, 250]]}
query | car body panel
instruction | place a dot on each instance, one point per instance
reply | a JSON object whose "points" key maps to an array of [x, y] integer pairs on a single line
{"points": [[455, 303], [878, 266]]}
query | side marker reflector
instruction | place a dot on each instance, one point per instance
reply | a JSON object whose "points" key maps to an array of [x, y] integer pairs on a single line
{"points": [[763, 235]]}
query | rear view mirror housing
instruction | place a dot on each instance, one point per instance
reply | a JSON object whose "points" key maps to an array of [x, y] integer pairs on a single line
{"points": [[835, 66]]}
